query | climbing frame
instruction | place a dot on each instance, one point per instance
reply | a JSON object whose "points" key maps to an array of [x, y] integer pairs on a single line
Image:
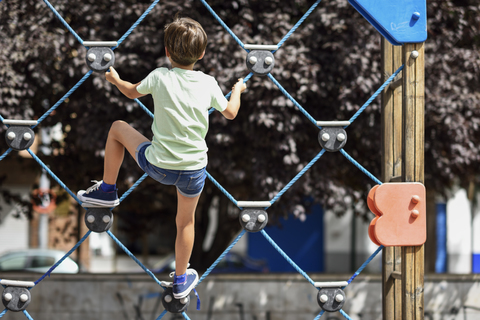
{"points": [[406, 124]]}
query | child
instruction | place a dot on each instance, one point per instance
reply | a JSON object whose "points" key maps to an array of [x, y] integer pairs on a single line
{"points": [[177, 154]]}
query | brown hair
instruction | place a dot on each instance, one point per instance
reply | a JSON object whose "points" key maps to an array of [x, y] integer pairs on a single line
{"points": [[185, 40]]}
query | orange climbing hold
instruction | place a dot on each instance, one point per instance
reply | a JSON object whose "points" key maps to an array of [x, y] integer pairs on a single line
{"points": [[400, 214]]}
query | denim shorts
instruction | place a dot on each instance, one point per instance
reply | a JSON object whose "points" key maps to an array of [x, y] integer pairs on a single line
{"points": [[188, 182]]}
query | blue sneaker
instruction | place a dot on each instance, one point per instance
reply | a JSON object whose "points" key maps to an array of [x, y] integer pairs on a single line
{"points": [[182, 285], [97, 197]]}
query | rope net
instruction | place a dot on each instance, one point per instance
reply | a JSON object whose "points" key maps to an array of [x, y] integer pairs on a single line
{"points": [[211, 178]]}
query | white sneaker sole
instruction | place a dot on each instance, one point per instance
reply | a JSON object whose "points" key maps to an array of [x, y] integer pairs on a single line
{"points": [[95, 203]]}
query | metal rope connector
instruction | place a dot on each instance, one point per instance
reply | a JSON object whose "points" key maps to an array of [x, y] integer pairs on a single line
{"points": [[16, 297], [254, 218], [332, 137], [19, 135], [331, 297], [100, 56], [260, 59]]}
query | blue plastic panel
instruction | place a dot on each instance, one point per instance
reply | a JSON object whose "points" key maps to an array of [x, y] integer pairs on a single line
{"points": [[399, 21]]}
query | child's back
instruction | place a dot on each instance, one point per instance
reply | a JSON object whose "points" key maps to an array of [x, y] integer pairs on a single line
{"points": [[182, 99]]}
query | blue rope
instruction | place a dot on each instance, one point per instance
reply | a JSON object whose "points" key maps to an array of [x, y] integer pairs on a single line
{"points": [[75, 87], [63, 21], [319, 315], [359, 166], [223, 24], [375, 94], [50, 172], [244, 80], [63, 258], [5, 154], [309, 117], [305, 16], [144, 108], [161, 316], [185, 316], [221, 257], [219, 186], [2, 120], [27, 315], [136, 24], [3, 312], [299, 270], [298, 176], [364, 265], [133, 187], [150, 273], [344, 314]]}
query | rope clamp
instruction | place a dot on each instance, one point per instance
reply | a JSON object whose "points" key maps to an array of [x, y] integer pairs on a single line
{"points": [[260, 59], [254, 218], [331, 297], [16, 297], [170, 303], [100, 56], [19, 135], [332, 137], [98, 219]]}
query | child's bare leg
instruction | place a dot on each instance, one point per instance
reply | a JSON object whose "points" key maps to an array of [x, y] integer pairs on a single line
{"points": [[185, 232], [120, 137]]}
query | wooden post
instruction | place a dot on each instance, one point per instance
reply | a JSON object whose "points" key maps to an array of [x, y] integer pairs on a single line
{"points": [[403, 160], [413, 260], [392, 142]]}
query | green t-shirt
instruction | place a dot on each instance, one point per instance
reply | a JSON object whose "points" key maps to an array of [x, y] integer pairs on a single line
{"points": [[182, 99]]}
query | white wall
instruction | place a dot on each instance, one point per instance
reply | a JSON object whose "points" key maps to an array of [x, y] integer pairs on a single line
{"points": [[459, 233], [13, 231], [261, 297], [476, 232]]}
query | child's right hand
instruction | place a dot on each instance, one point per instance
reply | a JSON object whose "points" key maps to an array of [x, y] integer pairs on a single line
{"points": [[240, 85], [112, 76]]}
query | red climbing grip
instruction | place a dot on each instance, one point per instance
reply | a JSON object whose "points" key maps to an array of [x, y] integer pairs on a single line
{"points": [[400, 214]]}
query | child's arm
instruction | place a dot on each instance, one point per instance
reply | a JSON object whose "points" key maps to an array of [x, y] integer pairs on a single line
{"points": [[234, 104], [125, 87]]}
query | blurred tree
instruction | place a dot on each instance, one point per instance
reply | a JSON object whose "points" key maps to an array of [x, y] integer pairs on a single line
{"points": [[330, 65]]}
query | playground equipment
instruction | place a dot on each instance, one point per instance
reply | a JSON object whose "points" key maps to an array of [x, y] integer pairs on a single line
{"points": [[403, 25]]}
